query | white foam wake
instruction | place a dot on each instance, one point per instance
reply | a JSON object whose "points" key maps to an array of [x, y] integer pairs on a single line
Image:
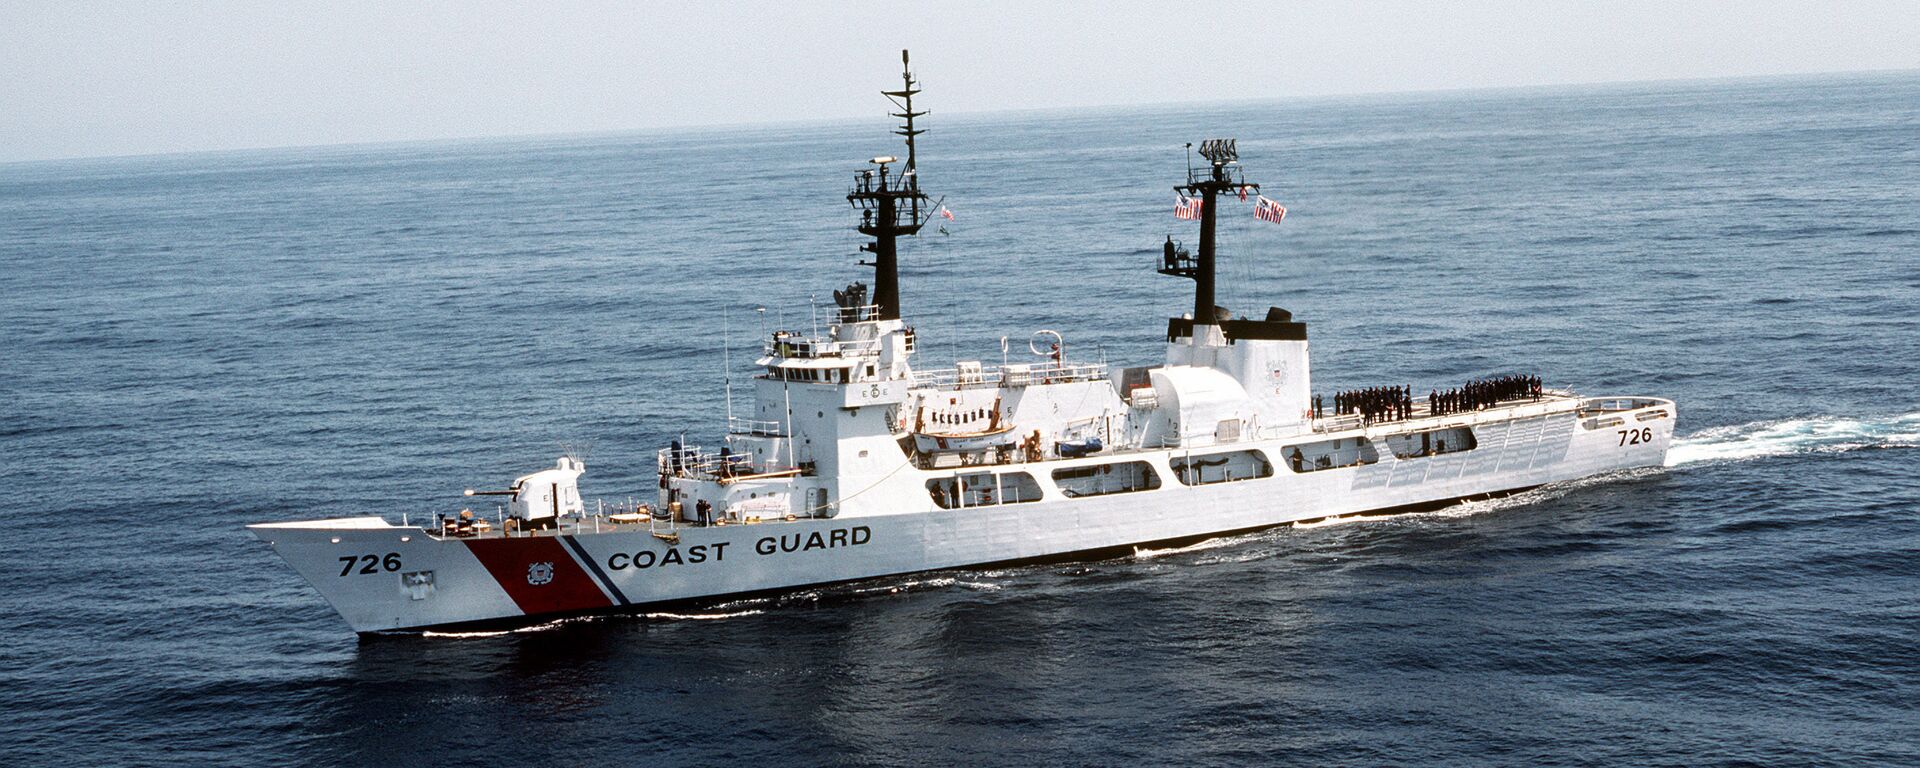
{"points": [[1791, 436], [1143, 553], [703, 616], [938, 582], [1349, 519], [541, 627]]}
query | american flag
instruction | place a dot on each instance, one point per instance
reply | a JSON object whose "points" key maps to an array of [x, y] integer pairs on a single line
{"points": [[1186, 207], [944, 212], [1266, 209]]}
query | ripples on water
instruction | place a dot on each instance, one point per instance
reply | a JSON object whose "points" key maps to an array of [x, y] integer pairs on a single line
{"points": [[196, 342]]}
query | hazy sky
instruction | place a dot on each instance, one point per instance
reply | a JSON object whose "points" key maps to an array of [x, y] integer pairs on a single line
{"points": [[82, 79]]}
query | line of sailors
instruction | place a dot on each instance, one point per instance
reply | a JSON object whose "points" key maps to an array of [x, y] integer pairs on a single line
{"points": [[1372, 403], [1485, 393]]}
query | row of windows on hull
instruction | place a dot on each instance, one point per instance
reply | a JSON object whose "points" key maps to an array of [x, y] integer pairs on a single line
{"points": [[981, 489]]}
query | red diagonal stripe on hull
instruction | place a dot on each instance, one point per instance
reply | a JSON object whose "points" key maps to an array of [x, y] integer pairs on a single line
{"points": [[509, 560]]}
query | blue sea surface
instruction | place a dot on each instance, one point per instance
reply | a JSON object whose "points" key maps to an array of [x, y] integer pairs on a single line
{"points": [[191, 343]]}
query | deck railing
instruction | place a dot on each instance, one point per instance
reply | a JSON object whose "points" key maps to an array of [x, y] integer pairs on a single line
{"points": [[1010, 375], [810, 347], [859, 314], [698, 462], [755, 427]]}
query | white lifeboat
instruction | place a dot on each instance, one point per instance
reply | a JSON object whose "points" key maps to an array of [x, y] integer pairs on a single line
{"points": [[951, 435]]}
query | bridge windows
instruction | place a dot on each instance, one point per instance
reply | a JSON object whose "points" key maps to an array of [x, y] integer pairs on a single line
{"points": [[809, 375], [983, 489], [1226, 467], [1102, 479]]}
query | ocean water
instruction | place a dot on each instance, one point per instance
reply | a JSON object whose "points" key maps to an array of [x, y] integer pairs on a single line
{"points": [[191, 343]]}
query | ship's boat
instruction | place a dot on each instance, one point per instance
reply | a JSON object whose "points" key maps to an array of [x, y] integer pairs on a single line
{"points": [[963, 430], [853, 462], [989, 439]]}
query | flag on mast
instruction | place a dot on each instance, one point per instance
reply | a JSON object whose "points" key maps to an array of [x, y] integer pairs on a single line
{"points": [[1187, 208], [1266, 209], [946, 213]]}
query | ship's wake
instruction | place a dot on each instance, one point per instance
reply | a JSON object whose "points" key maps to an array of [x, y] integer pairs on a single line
{"points": [[664, 615], [1795, 436], [1326, 521], [909, 584], [540, 627], [1144, 553]]}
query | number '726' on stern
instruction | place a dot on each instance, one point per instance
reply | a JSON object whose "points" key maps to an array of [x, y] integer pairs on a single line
{"points": [[853, 463]]}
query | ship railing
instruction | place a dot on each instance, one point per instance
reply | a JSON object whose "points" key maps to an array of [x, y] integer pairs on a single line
{"points": [[1345, 421], [755, 427], [857, 314], [1337, 423], [1612, 404], [1204, 174], [629, 511], [697, 462], [1183, 263], [1423, 408], [809, 347], [963, 377]]}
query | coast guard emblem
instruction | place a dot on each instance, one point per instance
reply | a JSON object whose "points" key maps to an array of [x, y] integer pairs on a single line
{"points": [[539, 573]]}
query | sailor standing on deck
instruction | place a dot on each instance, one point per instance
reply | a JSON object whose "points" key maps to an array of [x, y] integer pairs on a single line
{"points": [[1167, 253]]}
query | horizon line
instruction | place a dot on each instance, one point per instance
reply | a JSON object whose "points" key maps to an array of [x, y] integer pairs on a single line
{"points": [[837, 119]]}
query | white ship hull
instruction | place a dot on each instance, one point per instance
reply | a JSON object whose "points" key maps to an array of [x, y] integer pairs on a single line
{"points": [[371, 571], [853, 462]]}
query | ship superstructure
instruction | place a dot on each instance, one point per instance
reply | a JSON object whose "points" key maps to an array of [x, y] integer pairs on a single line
{"points": [[852, 463]]}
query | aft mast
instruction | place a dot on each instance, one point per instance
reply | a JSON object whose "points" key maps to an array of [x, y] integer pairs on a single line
{"points": [[890, 206], [1222, 174]]}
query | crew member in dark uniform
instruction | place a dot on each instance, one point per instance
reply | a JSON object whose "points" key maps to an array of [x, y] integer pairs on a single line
{"points": [[1167, 252]]}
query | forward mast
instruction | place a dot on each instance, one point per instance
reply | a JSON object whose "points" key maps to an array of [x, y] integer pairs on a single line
{"points": [[891, 205]]}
